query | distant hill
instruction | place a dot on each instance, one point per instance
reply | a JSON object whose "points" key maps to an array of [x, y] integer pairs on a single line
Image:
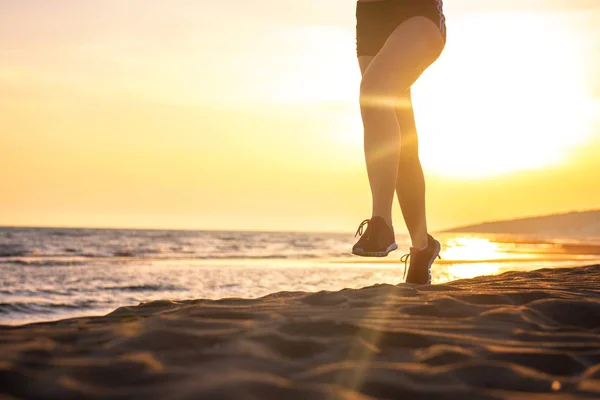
{"points": [[575, 223]]}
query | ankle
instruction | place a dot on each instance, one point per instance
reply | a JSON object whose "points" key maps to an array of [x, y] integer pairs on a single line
{"points": [[420, 243], [387, 219]]}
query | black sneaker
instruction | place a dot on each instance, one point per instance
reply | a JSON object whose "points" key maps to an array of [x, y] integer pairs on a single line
{"points": [[378, 240], [419, 271]]}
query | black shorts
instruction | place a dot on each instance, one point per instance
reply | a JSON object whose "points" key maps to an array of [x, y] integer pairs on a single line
{"points": [[376, 20]]}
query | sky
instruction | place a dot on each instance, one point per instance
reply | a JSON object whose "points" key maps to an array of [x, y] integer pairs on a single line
{"points": [[238, 115]]}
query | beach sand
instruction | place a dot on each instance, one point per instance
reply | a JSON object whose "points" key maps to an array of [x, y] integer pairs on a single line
{"points": [[520, 335]]}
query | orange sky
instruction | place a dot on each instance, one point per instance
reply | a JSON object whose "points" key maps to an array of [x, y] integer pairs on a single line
{"points": [[243, 115]]}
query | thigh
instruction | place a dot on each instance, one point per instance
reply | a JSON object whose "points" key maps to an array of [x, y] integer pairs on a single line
{"points": [[364, 62], [409, 50]]}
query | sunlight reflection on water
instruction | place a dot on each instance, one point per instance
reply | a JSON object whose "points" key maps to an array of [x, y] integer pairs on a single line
{"points": [[50, 274]]}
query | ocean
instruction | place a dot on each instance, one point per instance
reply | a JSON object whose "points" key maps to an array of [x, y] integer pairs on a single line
{"points": [[51, 273]]}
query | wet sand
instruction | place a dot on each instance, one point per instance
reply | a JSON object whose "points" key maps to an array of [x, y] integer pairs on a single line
{"points": [[520, 335]]}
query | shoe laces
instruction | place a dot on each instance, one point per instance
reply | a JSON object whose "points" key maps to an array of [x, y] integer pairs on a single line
{"points": [[405, 258], [361, 227]]}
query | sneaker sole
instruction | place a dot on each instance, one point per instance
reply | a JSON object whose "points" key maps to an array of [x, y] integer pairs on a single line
{"points": [[384, 253], [436, 253]]}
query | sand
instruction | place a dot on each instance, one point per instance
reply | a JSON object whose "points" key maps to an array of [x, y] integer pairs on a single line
{"points": [[521, 335]]}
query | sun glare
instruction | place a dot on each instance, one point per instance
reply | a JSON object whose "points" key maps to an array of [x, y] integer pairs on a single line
{"points": [[470, 257], [467, 248], [498, 100], [503, 100]]}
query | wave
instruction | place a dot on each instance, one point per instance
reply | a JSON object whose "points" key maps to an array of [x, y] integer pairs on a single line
{"points": [[35, 308], [143, 288], [12, 251], [47, 263]]}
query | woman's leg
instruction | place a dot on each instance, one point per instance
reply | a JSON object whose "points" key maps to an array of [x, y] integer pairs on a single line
{"points": [[411, 48], [378, 240], [382, 147], [410, 184], [382, 152]]}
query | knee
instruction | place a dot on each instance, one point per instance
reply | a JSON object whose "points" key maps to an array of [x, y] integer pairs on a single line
{"points": [[375, 92], [409, 156]]}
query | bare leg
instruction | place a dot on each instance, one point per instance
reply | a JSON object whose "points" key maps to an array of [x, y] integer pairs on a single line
{"points": [[411, 48], [382, 153], [410, 184]]}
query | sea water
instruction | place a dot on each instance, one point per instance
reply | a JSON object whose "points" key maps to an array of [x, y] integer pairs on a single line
{"points": [[48, 274]]}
